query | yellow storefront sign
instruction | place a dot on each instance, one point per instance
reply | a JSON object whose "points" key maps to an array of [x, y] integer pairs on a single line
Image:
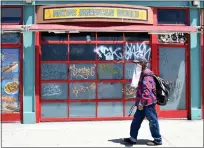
{"points": [[95, 12]]}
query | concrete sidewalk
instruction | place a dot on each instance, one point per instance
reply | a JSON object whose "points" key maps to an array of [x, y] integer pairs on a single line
{"points": [[104, 133]]}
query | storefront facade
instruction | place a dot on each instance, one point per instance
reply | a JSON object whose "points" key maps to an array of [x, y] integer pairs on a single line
{"points": [[74, 60]]}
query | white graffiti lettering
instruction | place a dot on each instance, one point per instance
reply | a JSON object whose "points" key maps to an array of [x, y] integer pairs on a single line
{"points": [[51, 90], [109, 53], [132, 51]]}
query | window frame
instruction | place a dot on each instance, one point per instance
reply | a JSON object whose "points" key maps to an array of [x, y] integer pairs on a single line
{"points": [[10, 117], [123, 81], [22, 17], [155, 63], [172, 8]]}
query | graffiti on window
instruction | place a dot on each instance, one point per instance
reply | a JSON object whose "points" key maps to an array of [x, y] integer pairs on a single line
{"points": [[133, 50], [109, 52], [82, 90], [174, 71], [54, 91], [172, 38], [82, 71], [115, 52], [110, 71], [130, 92], [54, 71]]}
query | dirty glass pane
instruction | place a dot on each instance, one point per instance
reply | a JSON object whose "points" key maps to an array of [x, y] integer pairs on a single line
{"points": [[169, 16], [54, 52], [10, 37], [174, 71], [54, 110], [46, 36], [82, 52], [110, 90], [82, 71], [83, 36], [54, 71], [110, 109], [109, 51], [110, 71], [82, 110], [54, 91], [110, 36], [82, 91], [137, 36], [129, 69]]}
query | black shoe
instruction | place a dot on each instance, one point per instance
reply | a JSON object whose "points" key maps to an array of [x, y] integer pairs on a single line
{"points": [[153, 143], [127, 140]]}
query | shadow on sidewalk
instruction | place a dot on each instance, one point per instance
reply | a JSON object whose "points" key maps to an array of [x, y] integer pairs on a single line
{"points": [[139, 142]]}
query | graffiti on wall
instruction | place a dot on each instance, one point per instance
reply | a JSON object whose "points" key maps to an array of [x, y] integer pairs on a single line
{"points": [[172, 38]]}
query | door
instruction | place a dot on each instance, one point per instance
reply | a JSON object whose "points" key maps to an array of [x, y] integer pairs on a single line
{"points": [[173, 66], [87, 76]]}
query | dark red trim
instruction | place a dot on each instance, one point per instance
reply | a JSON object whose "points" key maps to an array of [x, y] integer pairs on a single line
{"points": [[85, 119], [154, 47], [37, 76], [10, 117], [188, 77], [173, 114], [96, 80]]}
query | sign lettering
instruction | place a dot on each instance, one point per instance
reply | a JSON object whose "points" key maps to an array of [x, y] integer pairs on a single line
{"points": [[95, 12]]}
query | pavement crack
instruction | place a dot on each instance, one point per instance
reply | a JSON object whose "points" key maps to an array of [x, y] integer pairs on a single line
{"points": [[168, 141]]}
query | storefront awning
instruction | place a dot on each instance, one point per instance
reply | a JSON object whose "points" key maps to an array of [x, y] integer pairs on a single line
{"points": [[75, 29], [128, 28], [14, 28]]}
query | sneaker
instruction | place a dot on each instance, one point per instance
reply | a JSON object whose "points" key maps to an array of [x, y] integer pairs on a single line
{"points": [[153, 143], [129, 141]]}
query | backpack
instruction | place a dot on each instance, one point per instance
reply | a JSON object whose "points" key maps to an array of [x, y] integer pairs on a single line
{"points": [[162, 89]]}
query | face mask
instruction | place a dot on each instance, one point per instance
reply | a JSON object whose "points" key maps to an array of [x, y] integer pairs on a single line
{"points": [[136, 75]]}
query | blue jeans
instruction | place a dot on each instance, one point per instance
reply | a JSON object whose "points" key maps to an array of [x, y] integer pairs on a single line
{"points": [[150, 113]]}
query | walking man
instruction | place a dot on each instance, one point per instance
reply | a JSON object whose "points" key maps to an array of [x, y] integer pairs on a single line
{"points": [[146, 106]]}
